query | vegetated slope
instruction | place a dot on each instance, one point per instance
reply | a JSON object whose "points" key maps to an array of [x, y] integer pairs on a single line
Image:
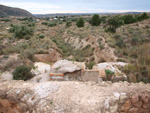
{"points": [[82, 44], [6, 11], [132, 43]]}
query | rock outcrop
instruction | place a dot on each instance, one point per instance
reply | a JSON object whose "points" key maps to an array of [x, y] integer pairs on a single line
{"points": [[74, 97], [41, 72], [52, 56], [65, 66]]}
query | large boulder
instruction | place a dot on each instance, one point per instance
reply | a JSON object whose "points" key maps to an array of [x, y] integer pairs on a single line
{"points": [[65, 66], [41, 72], [52, 56]]}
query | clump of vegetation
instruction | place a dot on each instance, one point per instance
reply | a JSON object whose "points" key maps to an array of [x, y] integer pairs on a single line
{"points": [[21, 31], [103, 19], [130, 69], [143, 17], [52, 24], [96, 21], [41, 36], [120, 43], [80, 22], [6, 20], [44, 23], [128, 19], [113, 23], [109, 74], [68, 23], [90, 65], [22, 73]]}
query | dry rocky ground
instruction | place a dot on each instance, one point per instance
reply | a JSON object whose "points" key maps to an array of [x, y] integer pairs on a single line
{"points": [[74, 97]]}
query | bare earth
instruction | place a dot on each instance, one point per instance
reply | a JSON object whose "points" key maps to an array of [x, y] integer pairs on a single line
{"points": [[71, 97]]}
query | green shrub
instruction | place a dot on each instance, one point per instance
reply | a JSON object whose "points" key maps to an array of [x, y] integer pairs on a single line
{"points": [[103, 19], [68, 23], [90, 65], [6, 20], [95, 20], [41, 36], [130, 69], [129, 19], [44, 23], [109, 74], [80, 22], [22, 73], [143, 17], [21, 31], [52, 24], [117, 37], [109, 29], [101, 46], [134, 40], [120, 43]]}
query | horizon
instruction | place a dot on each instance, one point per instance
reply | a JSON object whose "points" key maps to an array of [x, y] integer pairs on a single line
{"points": [[83, 7]]}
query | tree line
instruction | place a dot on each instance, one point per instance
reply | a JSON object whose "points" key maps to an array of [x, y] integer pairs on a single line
{"points": [[113, 22]]}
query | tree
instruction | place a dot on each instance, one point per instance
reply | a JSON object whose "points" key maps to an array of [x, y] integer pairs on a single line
{"points": [[80, 22], [95, 20], [103, 19], [114, 23], [22, 73], [129, 19], [143, 16]]}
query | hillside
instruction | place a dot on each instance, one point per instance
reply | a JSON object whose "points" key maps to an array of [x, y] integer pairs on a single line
{"points": [[6, 11], [49, 40]]}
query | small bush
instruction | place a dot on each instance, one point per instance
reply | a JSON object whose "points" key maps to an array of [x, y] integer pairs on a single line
{"points": [[134, 40], [52, 24], [109, 74], [44, 23], [120, 43], [130, 69], [68, 23], [80, 22], [21, 31], [41, 36], [117, 37], [90, 65], [22, 73]]}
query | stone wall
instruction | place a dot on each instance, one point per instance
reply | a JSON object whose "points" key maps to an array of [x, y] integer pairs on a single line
{"points": [[90, 76], [134, 103]]}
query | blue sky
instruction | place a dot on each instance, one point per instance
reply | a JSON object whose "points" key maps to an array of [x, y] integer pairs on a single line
{"points": [[79, 6]]}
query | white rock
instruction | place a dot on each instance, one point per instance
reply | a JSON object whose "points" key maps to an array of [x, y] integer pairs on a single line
{"points": [[7, 76], [64, 66], [42, 72]]}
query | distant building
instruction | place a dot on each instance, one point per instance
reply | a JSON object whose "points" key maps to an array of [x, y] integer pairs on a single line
{"points": [[55, 18]]}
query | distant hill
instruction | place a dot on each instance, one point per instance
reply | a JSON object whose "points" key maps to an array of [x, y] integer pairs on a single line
{"points": [[82, 14], [6, 11]]}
